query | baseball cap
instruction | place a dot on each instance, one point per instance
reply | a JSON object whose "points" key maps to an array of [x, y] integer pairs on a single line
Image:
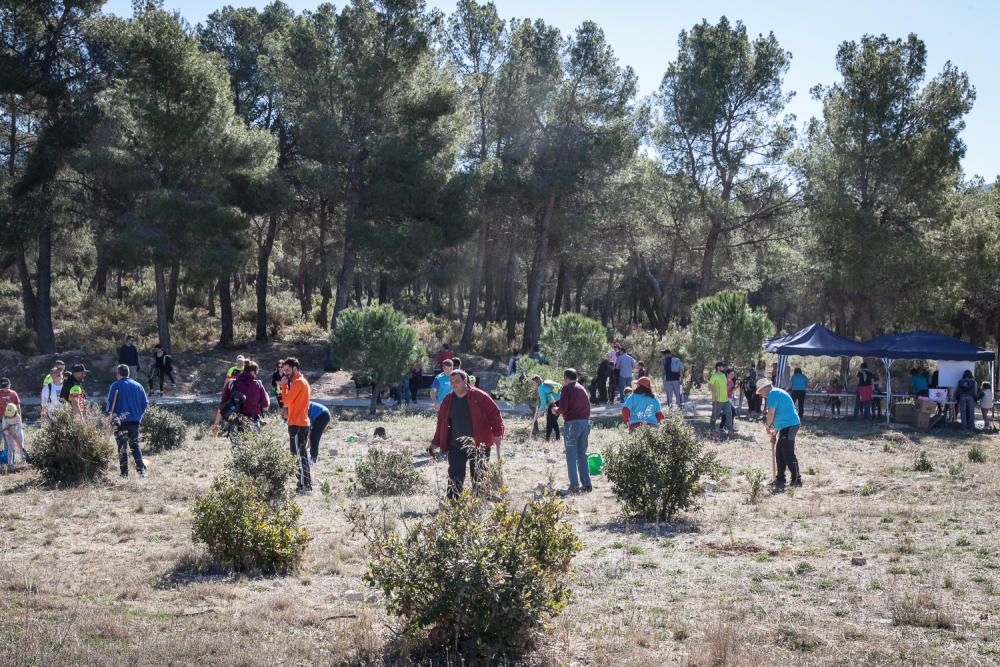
{"points": [[79, 368], [763, 382], [240, 357], [5, 383], [644, 382]]}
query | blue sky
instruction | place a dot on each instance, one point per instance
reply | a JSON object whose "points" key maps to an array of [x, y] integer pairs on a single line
{"points": [[643, 34]]}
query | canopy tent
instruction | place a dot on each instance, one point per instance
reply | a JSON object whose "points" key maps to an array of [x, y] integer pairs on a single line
{"points": [[813, 341], [926, 345]]}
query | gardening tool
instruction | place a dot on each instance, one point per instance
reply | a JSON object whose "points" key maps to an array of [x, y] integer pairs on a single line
{"points": [[774, 455]]}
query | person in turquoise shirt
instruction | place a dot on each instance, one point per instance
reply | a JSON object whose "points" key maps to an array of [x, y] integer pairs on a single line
{"points": [[782, 424], [799, 385], [441, 386], [642, 408], [918, 383], [548, 395]]}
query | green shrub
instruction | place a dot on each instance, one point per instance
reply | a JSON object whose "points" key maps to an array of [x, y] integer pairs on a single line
{"points": [[977, 454], [243, 531], [264, 457], [482, 580], [70, 450], [386, 472], [657, 472], [922, 463], [162, 430], [17, 337], [575, 341]]}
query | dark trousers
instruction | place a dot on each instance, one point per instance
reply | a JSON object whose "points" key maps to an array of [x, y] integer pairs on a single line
{"points": [[298, 436], [799, 397], [551, 423], [127, 437], [784, 454], [458, 458], [315, 433], [754, 403]]}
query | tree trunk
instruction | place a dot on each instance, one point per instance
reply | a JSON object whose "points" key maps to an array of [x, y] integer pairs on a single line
{"points": [[162, 321], [211, 300], [43, 296], [509, 296], [99, 284], [708, 258], [263, 259], [477, 281], [175, 274], [533, 316], [344, 281], [557, 300], [27, 291], [226, 310], [383, 289], [326, 295], [606, 310], [488, 305]]}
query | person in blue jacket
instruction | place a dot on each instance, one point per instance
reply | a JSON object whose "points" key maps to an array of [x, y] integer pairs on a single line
{"points": [[319, 421], [126, 406], [642, 408]]}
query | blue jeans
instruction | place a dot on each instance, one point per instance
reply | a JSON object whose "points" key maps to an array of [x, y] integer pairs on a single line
{"points": [[624, 381], [575, 435], [967, 408], [404, 391], [127, 437], [866, 410]]}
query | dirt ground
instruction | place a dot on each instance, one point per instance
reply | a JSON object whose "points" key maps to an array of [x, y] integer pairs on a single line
{"points": [[871, 563]]}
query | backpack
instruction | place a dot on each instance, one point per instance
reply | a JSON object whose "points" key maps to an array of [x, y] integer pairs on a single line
{"points": [[231, 409], [555, 387]]}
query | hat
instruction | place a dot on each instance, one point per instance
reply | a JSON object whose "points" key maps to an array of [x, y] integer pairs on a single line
{"points": [[10, 411], [5, 383], [79, 368], [762, 383], [240, 357], [644, 382]]}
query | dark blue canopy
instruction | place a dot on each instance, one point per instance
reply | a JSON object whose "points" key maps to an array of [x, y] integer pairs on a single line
{"points": [[926, 345], [817, 341]]}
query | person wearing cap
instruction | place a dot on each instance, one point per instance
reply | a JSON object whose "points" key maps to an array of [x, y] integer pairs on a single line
{"points": [[8, 396], [13, 433], [782, 424], [73, 393], [719, 385], [236, 368], [642, 408], [51, 389], [441, 386], [469, 424], [126, 404]]}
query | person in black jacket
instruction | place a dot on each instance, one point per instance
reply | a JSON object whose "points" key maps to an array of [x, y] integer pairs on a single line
{"points": [[128, 355], [163, 365], [965, 396]]}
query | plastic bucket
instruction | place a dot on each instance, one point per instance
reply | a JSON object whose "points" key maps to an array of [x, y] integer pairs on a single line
{"points": [[596, 463]]}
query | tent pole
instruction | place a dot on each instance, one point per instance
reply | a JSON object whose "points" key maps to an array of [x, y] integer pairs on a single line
{"points": [[888, 389]]}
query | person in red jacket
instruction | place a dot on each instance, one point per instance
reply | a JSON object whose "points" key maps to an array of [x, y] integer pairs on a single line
{"points": [[469, 423]]}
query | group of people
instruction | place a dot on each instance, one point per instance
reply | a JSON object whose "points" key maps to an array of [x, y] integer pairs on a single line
{"points": [[160, 368]]}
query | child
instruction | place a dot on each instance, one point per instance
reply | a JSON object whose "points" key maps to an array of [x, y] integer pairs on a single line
{"points": [[13, 434], [731, 406], [627, 392], [642, 372], [834, 401], [986, 404]]}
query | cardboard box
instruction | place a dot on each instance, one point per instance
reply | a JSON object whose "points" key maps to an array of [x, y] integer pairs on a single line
{"points": [[904, 412], [923, 420], [926, 406]]}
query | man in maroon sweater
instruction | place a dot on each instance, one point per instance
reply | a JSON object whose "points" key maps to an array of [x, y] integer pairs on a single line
{"points": [[469, 423], [574, 406]]}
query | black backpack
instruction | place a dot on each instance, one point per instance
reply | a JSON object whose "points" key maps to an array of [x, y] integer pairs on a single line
{"points": [[230, 409]]}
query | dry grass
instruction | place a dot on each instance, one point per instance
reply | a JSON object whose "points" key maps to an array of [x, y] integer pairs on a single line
{"points": [[106, 574]]}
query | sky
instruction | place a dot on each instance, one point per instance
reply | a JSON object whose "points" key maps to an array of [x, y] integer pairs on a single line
{"points": [[643, 34]]}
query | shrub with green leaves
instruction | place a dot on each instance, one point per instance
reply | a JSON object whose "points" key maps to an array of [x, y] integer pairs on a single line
{"points": [[474, 579], [655, 473], [725, 327], [243, 531], [977, 454], [386, 472], [575, 341], [70, 450], [264, 457], [162, 430]]}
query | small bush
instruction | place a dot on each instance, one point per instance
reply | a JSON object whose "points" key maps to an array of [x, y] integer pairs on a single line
{"points": [[922, 463], [70, 450], [264, 458], [756, 483], [386, 472], [656, 472], [482, 580], [162, 430], [921, 610], [243, 531], [977, 454], [519, 389], [575, 341]]}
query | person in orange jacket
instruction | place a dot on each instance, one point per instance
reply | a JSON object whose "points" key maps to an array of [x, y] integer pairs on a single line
{"points": [[295, 394]]}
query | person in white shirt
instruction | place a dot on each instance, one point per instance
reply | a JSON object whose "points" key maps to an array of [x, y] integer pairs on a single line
{"points": [[986, 404], [51, 388]]}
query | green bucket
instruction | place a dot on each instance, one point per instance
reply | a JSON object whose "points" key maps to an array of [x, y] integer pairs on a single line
{"points": [[596, 463]]}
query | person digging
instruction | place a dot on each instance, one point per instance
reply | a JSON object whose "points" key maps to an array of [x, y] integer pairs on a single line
{"points": [[782, 425]]}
